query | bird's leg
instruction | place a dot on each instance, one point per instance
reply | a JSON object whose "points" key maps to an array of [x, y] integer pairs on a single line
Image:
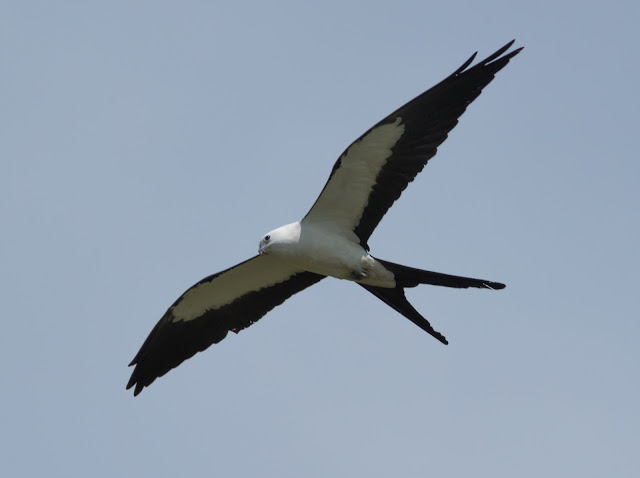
{"points": [[359, 273]]}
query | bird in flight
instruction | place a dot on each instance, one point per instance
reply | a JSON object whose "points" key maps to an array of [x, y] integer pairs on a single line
{"points": [[331, 240]]}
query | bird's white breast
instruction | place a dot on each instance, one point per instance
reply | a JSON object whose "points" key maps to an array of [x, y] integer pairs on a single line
{"points": [[323, 251]]}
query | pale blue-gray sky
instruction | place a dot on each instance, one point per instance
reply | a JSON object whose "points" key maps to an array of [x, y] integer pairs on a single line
{"points": [[145, 145]]}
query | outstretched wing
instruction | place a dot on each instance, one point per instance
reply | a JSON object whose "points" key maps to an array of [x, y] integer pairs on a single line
{"points": [[374, 170], [230, 300]]}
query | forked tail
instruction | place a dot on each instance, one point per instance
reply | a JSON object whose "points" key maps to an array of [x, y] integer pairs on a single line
{"points": [[410, 277]]}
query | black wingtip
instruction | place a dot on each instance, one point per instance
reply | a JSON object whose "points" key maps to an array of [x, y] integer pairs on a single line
{"points": [[438, 336], [131, 382], [499, 52], [138, 386], [496, 56], [465, 64], [134, 380]]}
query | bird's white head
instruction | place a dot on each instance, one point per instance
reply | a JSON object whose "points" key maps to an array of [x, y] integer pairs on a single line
{"points": [[280, 240]]}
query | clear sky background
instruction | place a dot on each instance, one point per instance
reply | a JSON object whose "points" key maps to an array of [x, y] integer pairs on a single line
{"points": [[145, 145]]}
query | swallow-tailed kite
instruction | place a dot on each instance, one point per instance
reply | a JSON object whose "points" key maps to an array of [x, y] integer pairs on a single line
{"points": [[331, 240]]}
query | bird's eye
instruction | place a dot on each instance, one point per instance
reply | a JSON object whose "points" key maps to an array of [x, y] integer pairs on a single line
{"points": [[267, 237]]}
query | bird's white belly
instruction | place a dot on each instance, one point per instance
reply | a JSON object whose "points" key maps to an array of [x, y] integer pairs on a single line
{"points": [[330, 257], [336, 256]]}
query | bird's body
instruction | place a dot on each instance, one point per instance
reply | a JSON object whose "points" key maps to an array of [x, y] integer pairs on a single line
{"points": [[332, 239], [308, 246]]}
